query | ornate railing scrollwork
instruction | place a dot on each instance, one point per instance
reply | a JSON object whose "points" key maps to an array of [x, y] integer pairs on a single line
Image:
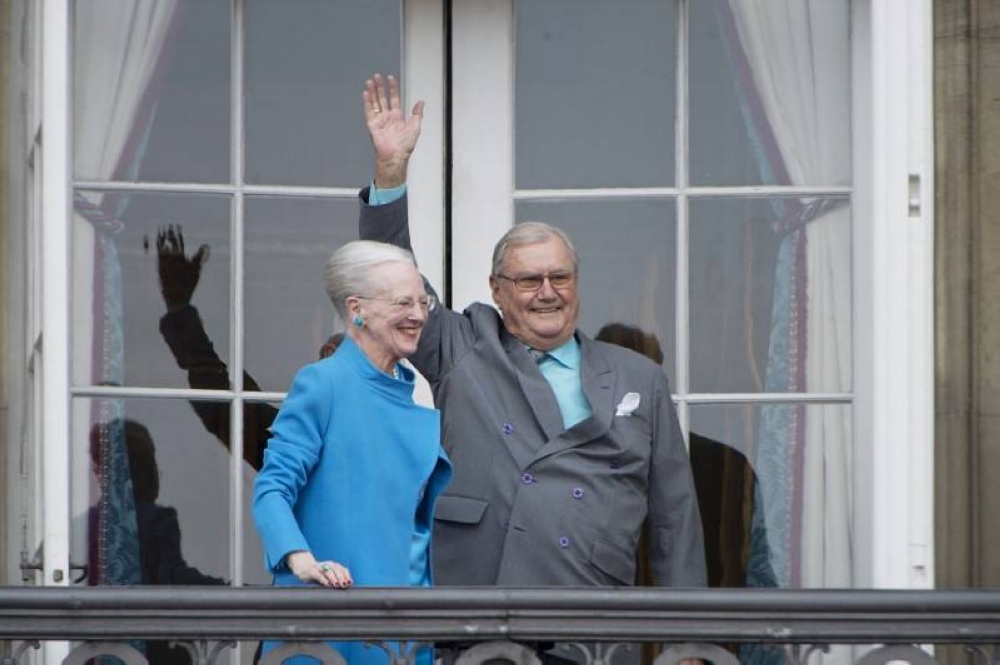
{"points": [[896, 652], [799, 654], [675, 653], [602, 653], [200, 652], [123, 651], [321, 651], [400, 653], [988, 656], [502, 650], [11, 655]]}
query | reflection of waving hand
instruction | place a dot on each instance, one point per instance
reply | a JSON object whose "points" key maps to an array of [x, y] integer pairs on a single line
{"points": [[394, 136], [179, 275]]}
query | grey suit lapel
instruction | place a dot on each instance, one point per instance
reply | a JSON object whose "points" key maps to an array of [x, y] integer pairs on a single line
{"points": [[538, 393], [598, 379]]}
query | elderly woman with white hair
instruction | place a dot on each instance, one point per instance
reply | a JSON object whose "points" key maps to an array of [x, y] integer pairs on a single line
{"points": [[353, 468]]}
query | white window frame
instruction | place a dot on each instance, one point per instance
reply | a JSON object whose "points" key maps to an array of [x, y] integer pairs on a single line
{"points": [[24, 296], [55, 238], [894, 258]]}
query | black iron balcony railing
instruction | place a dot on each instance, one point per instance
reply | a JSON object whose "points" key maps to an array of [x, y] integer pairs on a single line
{"points": [[479, 625]]}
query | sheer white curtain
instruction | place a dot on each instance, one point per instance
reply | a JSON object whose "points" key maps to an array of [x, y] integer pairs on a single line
{"points": [[797, 53], [118, 52], [118, 46]]}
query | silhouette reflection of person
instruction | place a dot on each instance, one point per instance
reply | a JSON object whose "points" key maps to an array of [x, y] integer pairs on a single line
{"points": [[184, 333], [736, 550], [157, 527]]}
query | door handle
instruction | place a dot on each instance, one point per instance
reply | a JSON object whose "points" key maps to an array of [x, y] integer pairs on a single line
{"points": [[30, 566]]}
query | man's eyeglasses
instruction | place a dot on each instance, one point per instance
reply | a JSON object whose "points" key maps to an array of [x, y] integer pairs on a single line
{"points": [[558, 280], [426, 303]]}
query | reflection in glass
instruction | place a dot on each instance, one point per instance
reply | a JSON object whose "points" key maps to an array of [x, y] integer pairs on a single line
{"points": [[122, 307], [594, 93], [253, 550], [184, 333], [721, 151], [149, 499], [627, 255], [769, 90], [306, 63], [288, 314], [151, 90], [728, 496], [770, 294], [800, 530]]}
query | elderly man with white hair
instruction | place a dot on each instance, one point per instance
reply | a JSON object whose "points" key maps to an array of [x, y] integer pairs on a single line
{"points": [[562, 446]]}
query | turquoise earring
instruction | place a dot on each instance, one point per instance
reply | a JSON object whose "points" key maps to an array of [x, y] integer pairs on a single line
{"points": [[358, 321]]}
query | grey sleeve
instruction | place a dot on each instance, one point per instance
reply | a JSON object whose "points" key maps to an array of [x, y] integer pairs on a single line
{"points": [[677, 547], [448, 335], [388, 223]]}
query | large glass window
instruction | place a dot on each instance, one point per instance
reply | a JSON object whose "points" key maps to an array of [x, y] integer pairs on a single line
{"points": [[699, 153], [215, 166], [584, 64], [702, 153]]}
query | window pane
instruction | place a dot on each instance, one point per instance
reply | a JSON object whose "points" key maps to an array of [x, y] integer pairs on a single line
{"points": [[770, 290], [774, 486], [627, 255], [140, 320], [288, 314], [594, 98], [306, 64], [150, 491], [769, 92], [721, 149], [151, 90], [258, 417]]}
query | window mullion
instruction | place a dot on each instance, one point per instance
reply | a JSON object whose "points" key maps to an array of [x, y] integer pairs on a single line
{"points": [[682, 309], [236, 286]]}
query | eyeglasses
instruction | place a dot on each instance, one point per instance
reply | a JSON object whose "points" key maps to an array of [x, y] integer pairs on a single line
{"points": [[426, 303], [558, 280]]}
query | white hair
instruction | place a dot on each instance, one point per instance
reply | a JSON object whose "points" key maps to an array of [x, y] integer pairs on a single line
{"points": [[348, 270], [529, 233]]}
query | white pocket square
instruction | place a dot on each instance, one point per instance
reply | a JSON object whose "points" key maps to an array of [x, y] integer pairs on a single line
{"points": [[629, 403]]}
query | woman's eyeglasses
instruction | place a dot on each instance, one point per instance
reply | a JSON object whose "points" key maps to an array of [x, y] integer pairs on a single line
{"points": [[426, 303]]}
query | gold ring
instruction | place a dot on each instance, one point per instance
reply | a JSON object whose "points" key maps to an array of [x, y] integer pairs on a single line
{"points": [[325, 567]]}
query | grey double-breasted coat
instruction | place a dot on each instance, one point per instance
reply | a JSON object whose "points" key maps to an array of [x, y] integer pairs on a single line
{"points": [[532, 503]]}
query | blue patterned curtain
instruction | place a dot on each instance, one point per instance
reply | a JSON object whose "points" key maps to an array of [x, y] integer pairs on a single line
{"points": [[134, 87]]}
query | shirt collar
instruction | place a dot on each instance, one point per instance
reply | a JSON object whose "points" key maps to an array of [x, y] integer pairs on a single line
{"points": [[567, 353]]}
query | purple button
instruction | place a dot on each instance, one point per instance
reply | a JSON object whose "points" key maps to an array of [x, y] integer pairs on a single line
{"points": [[577, 493], [563, 542], [615, 463], [508, 428], [527, 479]]}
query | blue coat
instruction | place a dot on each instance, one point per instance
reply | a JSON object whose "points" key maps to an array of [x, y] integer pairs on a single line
{"points": [[353, 469]]}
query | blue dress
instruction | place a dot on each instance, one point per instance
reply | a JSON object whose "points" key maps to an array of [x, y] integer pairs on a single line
{"points": [[351, 473]]}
